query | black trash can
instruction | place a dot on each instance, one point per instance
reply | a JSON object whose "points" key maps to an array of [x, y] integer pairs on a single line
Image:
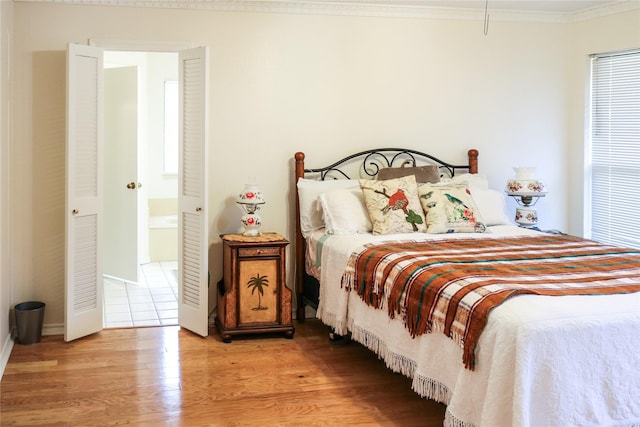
{"points": [[29, 319]]}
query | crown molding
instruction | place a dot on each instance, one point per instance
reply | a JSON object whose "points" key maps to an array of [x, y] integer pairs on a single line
{"points": [[390, 8], [611, 9]]}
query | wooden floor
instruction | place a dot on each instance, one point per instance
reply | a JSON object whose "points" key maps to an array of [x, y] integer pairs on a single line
{"points": [[168, 376]]}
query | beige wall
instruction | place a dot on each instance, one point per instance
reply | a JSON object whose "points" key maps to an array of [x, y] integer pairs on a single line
{"points": [[325, 85]]}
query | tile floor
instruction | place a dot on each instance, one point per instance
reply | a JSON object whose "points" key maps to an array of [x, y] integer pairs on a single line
{"points": [[151, 302]]}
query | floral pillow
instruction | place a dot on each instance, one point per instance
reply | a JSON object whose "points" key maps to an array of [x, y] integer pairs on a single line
{"points": [[393, 205], [449, 208]]}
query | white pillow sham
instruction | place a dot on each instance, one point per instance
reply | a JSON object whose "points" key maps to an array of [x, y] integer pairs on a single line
{"points": [[492, 206], [344, 211], [475, 181], [308, 192]]}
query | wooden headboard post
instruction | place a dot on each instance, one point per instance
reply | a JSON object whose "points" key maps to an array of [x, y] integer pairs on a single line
{"points": [[471, 166], [300, 248], [473, 160]]}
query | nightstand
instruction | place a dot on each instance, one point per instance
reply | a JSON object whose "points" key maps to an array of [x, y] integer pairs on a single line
{"points": [[252, 296]]}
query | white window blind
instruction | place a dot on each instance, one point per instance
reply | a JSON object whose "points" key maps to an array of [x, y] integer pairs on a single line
{"points": [[615, 148]]}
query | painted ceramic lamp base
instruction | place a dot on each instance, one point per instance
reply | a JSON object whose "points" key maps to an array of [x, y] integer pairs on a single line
{"points": [[526, 217], [252, 223]]}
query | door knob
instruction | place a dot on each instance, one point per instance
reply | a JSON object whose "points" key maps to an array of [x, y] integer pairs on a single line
{"points": [[131, 186]]}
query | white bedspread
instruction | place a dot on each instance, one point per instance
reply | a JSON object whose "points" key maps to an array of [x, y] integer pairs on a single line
{"points": [[541, 361]]}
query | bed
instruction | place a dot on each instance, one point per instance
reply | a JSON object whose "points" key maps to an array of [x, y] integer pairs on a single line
{"points": [[551, 353]]}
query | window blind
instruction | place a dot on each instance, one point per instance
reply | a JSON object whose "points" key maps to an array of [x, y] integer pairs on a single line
{"points": [[615, 148]]}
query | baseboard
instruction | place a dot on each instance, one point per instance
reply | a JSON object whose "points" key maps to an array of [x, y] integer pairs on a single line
{"points": [[53, 329], [7, 346]]}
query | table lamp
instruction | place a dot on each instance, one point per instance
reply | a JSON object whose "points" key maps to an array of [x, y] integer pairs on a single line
{"points": [[250, 200], [526, 190]]}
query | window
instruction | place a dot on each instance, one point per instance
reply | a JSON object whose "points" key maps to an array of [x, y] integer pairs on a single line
{"points": [[171, 127], [615, 149]]}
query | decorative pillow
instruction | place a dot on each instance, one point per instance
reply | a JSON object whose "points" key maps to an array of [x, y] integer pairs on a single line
{"points": [[344, 211], [428, 173], [449, 208], [393, 205], [308, 192], [492, 206]]}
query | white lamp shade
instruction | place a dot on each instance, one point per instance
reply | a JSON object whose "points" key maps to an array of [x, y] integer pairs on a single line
{"points": [[250, 195], [525, 183]]}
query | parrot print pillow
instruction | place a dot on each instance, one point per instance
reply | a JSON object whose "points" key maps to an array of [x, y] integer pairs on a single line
{"points": [[449, 208], [393, 205]]}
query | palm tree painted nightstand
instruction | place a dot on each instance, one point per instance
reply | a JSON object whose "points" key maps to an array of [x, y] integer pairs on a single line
{"points": [[253, 296]]}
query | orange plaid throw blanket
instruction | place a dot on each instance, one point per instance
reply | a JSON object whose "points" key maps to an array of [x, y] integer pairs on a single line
{"points": [[451, 286]]}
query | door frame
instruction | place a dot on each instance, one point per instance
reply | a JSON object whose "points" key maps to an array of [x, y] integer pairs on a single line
{"points": [[119, 45]]}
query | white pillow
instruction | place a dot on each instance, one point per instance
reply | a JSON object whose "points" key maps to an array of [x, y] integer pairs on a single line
{"points": [[308, 192], [344, 211], [475, 181], [492, 206]]}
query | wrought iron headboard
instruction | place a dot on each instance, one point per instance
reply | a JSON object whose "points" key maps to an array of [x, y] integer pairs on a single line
{"points": [[375, 159]]}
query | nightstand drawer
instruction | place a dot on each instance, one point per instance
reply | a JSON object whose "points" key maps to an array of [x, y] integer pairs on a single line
{"points": [[254, 252]]}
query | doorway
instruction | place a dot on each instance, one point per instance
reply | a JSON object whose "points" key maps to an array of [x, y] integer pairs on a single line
{"points": [[141, 189], [84, 195]]}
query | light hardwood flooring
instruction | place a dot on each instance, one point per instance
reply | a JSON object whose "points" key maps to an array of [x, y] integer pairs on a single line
{"points": [[169, 376]]}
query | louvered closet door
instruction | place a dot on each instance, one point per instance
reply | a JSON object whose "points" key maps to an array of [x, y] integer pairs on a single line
{"points": [[193, 200], [83, 287]]}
